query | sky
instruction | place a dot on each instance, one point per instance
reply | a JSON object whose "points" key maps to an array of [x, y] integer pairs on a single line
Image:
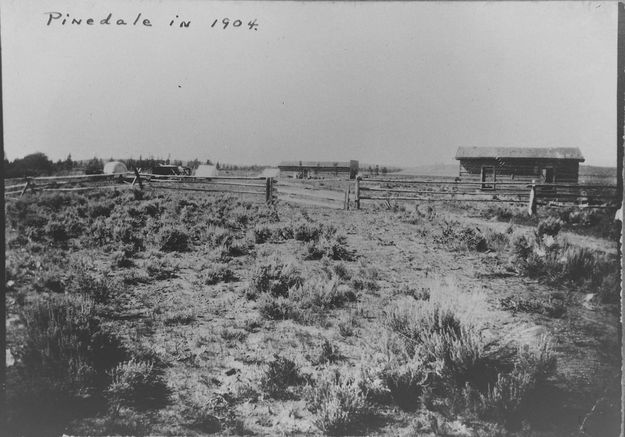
{"points": [[396, 83]]}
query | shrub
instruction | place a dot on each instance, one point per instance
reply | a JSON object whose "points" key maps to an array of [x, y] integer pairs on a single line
{"points": [[281, 374], [65, 338], [218, 236], [160, 269], [218, 273], [458, 237], [56, 232], [334, 247], [273, 278], [49, 281], [318, 295], [346, 326], [434, 347], [124, 233], [549, 226], [497, 241], [307, 231], [174, 240], [522, 246], [235, 248], [364, 284], [508, 400], [99, 288], [341, 271], [101, 209], [559, 262], [555, 308], [137, 384], [405, 375], [329, 353], [182, 317], [262, 233], [122, 259], [338, 402], [230, 334], [278, 308], [63, 367]]}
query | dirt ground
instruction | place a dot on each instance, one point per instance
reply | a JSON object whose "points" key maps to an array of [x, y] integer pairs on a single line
{"points": [[217, 344]]}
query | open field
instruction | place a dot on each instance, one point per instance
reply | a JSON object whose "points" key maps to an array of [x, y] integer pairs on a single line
{"points": [[181, 313]]}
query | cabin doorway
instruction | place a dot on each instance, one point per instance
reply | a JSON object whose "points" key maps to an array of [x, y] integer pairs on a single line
{"points": [[488, 178], [548, 175]]}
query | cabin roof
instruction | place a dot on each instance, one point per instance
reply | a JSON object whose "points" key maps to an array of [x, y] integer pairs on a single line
{"points": [[572, 153]]}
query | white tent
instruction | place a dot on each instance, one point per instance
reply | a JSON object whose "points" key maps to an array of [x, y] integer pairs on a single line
{"points": [[115, 167], [270, 173], [205, 170]]}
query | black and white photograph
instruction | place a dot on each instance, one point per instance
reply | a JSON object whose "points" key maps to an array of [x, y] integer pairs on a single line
{"points": [[354, 218]]}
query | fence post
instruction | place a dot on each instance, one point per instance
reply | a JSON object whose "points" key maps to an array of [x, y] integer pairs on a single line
{"points": [[357, 191], [268, 190], [25, 187], [531, 207], [346, 203], [274, 191], [137, 179]]}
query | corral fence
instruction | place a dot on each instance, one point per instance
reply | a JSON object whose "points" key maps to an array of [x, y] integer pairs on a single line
{"points": [[453, 190], [336, 193], [260, 187], [328, 193]]}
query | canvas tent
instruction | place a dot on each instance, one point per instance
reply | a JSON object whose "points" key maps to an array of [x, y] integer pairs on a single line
{"points": [[206, 170], [270, 173], [115, 167]]}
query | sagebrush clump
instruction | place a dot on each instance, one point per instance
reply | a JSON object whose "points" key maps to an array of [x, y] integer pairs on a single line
{"points": [[338, 401], [281, 374], [557, 261], [435, 355], [136, 384], [274, 278]]}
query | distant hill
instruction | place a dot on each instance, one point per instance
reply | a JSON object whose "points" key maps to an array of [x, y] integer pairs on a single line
{"points": [[589, 174]]}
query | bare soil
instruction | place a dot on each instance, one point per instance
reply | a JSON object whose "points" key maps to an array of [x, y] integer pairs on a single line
{"points": [[218, 354]]}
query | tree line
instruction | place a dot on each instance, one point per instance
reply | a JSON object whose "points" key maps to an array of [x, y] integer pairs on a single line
{"points": [[38, 164]]}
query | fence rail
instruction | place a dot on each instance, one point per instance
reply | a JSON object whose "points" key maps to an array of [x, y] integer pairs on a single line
{"points": [[228, 184], [337, 194], [441, 190]]}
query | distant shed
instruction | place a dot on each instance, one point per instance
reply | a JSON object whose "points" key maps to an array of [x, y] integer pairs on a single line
{"points": [[115, 167], [520, 164], [205, 170], [319, 169]]}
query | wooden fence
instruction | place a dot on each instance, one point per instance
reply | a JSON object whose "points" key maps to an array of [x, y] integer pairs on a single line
{"points": [[329, 193], [338, 194], [440, 190], [255, 186]]}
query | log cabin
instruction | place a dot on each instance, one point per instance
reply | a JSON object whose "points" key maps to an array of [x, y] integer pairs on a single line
{"points": [[314, 169], [492, 167]]}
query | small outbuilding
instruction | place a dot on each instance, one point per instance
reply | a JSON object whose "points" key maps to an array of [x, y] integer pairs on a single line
{"points": [[319, 169], [519, 164], [115, 167], [171, 170], [205, 170]]}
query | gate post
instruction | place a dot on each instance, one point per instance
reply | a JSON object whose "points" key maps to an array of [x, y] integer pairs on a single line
{"points": [[268, 193], [531, 207], [357, 191], [25, 187], [137, 179]]}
